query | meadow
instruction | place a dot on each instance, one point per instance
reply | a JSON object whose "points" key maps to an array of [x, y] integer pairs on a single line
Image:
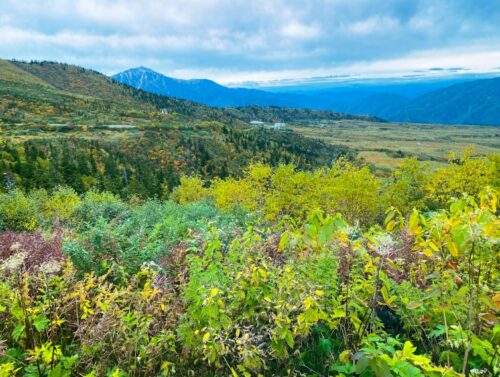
{"points": [[386, 144]]}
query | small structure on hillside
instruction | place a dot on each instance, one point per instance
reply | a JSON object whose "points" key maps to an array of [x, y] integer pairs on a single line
{"points": [[256, 123], [164, 111], [278, 126]]}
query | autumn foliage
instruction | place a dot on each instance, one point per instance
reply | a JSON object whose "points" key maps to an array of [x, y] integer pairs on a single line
{"points": [[277, 272]]}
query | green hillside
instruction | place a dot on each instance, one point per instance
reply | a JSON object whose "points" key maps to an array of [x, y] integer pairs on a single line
{"points": [[286, 114], [65, 125], [476, 102], [55, 92]]}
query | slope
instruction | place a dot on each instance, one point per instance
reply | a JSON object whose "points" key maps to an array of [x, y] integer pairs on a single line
{"points": [[476, 102], [71, 93], [64, 125]]}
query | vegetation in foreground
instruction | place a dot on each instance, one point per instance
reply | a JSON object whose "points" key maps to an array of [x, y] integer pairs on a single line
{"points": [[332, 272]]}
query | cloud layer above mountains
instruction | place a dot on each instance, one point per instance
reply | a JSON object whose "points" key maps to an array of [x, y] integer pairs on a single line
{"points": [[241, 40]]}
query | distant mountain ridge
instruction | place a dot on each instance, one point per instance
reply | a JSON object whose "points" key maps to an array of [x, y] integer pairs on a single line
{"points": [[208, 92], [35, 90], [471, 102], [476, 102]]}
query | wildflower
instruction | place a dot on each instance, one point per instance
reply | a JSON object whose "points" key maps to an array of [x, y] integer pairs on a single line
{"points": [[15, 246], [50, 267], [14, 262], [384, 245]]}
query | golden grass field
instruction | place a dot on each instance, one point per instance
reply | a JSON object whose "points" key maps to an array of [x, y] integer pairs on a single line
{"points": [[386, 144]]}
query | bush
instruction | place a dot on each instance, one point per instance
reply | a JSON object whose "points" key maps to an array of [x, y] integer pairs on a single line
{"points": [[190, 190], [17, 212], [95, 205], [146, 234]]}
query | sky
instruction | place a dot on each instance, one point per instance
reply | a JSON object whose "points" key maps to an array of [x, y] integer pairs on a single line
{"points": [[240, 41]]}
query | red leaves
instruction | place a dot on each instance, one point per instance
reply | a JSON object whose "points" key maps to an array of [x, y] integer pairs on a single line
{"points": [[39, 249]]}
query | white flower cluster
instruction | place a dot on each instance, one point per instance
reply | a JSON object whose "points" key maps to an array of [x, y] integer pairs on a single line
{"points": [[14, 262], [384, 244], [50, 267]]}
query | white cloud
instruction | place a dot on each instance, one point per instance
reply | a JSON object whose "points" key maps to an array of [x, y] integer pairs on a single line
{"points": [[299, 30], [249, 39], [480, 59]]}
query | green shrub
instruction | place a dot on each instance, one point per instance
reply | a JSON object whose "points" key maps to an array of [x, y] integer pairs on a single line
{"points": [[17, 212]]}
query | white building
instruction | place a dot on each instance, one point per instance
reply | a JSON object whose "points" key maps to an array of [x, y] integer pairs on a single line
{"points": [[164, 111], [256, 123], [278, 126]]}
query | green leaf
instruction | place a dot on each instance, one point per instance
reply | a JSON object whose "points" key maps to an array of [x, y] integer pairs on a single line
{"points": [[289, 339], [338, 313], [325, 345], [283, 241], [18, 332], [406, 369], [362, 364], [41, 323], [414, 305], [408, 349], [56, 371]]}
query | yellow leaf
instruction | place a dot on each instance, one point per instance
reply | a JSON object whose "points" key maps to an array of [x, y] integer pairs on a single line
{"points": [[408, 349], [452, 247], [428, 253], [496, 301], [206, 337], [390, 225], [433, 246], [308, 302], [345, 356]]}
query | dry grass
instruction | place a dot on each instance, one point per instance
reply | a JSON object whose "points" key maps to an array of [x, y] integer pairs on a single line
{"points": [[386, 144]]}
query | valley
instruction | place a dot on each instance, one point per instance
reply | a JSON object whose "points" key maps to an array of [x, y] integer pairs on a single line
{"points": [[386, 145]]}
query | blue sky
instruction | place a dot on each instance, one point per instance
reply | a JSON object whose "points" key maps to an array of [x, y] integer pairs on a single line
{"points": [[235, 41]]}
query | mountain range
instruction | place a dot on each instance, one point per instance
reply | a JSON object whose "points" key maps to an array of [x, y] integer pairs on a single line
{"points": [[470, 102], [56, 92], [209, 92]]}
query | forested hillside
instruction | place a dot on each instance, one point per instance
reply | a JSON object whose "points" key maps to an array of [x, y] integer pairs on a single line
{"points": [[66, 125], [475, 102], [55, 91], [147, 162]]}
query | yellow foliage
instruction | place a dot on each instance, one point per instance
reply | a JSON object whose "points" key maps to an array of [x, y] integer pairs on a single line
{"points": [[467, 175], [232, 192], [17, 212], [190, 190], [284, 191], [62, 204]]}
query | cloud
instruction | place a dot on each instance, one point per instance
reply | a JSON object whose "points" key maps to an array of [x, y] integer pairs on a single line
{"points": [[298, 30], [227, 39], [374, 24]]}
